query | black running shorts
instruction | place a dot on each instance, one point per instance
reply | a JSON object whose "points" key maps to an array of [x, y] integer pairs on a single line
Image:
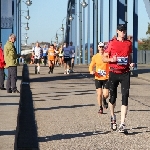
{"points": [[67, 60], [101, 84], [37, 61]]}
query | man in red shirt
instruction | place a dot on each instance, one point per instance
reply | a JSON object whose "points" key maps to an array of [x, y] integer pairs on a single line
{"points": [[2, 64], [118, 55]]}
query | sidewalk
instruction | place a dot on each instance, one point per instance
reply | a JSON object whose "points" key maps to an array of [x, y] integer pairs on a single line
{"points": [[9, 104], [66, 113]]}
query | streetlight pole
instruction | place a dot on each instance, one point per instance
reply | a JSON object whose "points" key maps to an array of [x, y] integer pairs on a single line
{"points": [[135, 32], [62, 29], [83, 40], [28, 3], [75, 32], [19, 33], [84, 4], [95, 29], [101, 20], [110, 18], [88, 32], [80, 31], [56, 38], [126, 21]]}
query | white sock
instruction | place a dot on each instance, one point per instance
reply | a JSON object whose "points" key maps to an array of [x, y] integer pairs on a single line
{"points": [[38, 68]]}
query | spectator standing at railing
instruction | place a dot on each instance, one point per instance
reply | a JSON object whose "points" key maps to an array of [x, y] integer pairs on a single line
{"points": [[10, 57], [2, 64]]}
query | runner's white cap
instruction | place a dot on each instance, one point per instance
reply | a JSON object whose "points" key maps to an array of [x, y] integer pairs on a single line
{"points": [[100, 44]]}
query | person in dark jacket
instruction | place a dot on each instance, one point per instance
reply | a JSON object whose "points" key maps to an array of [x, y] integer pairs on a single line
{"points": [[2, 64]]}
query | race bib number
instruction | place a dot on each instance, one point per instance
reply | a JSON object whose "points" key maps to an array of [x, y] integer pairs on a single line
{"points": [[122, 60], [101, 72]]}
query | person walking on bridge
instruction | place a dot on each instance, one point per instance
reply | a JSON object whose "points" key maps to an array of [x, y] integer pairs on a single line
{"points": [[101, 77], [118, 55]]}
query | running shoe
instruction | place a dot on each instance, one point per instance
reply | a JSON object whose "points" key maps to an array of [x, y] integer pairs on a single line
{"points": [[71, 70], [68, 72], [16, 91], [122, 129], [113, 123], [100, 110]]}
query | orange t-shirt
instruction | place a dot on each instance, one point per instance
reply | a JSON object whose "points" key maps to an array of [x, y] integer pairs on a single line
{"points": [[51, 54], [101, 68]]}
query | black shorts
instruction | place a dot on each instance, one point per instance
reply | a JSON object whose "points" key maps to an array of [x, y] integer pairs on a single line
{"points": [[115, 79], [37, 61], [101, 84], [67, 60]]}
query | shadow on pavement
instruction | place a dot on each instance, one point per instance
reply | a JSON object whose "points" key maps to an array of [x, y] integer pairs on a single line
{"points": [[11, 96], [26, 137], [56, 78], [59, 107], [139, 110], [3, 104], [141, 71], [140, 128], [133, 133], [3, 133], [70, 136], [83, 93]]}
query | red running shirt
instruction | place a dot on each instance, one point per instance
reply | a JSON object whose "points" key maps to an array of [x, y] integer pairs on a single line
{"points": [[122, 49]]}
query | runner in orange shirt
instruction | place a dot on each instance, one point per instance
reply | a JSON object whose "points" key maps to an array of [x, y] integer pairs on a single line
{"points": [[101, 77], [51, 58]]}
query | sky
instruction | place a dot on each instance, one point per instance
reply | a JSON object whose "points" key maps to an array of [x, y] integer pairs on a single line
{"points": [[47, 16]]}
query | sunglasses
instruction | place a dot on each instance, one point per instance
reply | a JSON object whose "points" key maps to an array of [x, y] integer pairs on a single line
{"points": [[123, 30], [101, 46]]}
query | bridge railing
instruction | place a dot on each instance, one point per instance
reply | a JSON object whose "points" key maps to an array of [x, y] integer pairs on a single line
{"points": [[143, 57]]}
